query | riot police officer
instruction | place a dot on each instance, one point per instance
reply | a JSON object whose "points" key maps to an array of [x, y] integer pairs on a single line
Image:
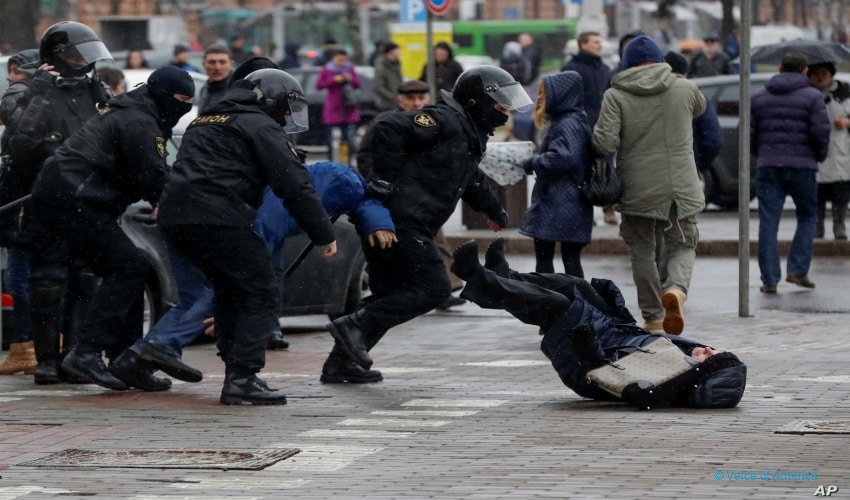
{"points": [[116, 159], [430, 158], [228, 156], [65, 93]]}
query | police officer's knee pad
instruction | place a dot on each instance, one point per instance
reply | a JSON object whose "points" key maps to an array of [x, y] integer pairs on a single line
{"points": [[85, 282]]}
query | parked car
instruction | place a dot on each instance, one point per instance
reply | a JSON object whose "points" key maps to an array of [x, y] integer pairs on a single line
{"points": [[721, 180], [307, 77]]}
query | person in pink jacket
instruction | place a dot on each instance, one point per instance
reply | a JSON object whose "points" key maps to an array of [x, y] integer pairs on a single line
{"points": [[340, 109]]}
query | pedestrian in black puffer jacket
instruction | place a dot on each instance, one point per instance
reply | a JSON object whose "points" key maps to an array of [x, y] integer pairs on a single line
{"points": [[117, 158], [559, 303]]}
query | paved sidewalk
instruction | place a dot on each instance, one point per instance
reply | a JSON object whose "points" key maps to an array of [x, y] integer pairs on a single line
{"points": [[470, 408], [719, 234]]}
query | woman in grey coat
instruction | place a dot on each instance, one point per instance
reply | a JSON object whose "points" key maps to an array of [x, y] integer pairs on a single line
{"points": [[558, 211]]}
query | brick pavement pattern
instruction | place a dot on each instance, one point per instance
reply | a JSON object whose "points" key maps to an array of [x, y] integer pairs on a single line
{"points": [[469, 408]]}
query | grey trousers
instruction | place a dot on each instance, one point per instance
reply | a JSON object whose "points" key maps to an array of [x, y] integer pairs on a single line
{"points": [[680, 238]]}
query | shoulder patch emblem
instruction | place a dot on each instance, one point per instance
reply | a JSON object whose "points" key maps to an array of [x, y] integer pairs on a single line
{"points": [[160, 146], [424, 120], [220, 119]]}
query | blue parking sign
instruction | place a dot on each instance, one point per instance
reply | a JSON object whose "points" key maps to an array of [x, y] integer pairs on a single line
{"points": [[412, 11]]}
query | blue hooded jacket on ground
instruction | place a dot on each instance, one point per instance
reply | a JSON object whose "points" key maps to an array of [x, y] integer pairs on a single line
{"points": [[618, 335], [341, 190]]}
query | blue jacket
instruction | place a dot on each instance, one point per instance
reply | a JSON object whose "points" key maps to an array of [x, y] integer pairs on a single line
{"points": [[596, 77], [708, 138], [558, 211], [342, 191], [790, 126], [618, 335]]}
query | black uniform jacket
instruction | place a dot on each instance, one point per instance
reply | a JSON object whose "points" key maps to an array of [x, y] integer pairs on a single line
{"points": [[431, 159], [116, 159], [228, 156]]}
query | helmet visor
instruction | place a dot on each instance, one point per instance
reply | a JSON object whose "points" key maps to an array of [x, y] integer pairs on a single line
{"points": [[510, 95], [298, 119], [85, 53]]}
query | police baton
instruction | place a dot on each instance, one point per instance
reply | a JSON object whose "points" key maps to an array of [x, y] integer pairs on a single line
{"points": [[15, 203], [302, 256]]}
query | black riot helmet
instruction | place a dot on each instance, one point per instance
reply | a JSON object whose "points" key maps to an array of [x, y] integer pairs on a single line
{"points": [[282, 98], [479, 89], [72, 48]]}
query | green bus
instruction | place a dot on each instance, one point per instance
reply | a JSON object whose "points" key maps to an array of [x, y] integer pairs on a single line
{"points": [[487, 38]]}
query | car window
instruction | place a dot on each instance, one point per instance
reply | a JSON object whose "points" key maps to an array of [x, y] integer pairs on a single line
{"points": [[727, 100]]}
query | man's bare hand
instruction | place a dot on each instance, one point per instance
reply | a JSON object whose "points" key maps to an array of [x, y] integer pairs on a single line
{"points": [[210, 330], [494, 226], [49, 68], [330, 250], [382, 238]]}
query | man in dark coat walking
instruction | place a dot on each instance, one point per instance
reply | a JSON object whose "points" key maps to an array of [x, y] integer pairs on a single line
{"points": [[595, 74], [789, 134]]}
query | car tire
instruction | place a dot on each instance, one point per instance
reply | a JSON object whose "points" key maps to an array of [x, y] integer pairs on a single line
{"points": [[154, 308], [358, 287]]}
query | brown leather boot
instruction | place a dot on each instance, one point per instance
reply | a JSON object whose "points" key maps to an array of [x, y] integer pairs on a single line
{"points": [[21, 359], [673, 301]]}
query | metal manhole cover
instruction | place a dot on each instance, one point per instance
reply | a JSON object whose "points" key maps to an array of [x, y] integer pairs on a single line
{"points": [[166, 459], [815, 427]]}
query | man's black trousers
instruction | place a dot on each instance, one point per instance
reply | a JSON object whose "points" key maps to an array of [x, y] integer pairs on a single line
{"points": [[238, 264]]}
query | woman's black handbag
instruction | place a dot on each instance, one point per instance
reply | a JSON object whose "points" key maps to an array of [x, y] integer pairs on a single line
{"points": [[350, 96], [601, 185]]}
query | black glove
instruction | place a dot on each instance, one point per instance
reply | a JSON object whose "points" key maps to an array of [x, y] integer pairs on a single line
{"points": [[501, 219], [528, 166]]}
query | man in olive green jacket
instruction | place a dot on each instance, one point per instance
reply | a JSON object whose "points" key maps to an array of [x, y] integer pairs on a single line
{"points": [[646, 119]]}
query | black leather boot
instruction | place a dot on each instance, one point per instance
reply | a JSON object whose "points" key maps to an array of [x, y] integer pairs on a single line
{"points": [[248, 388], [86, 362], [350, 334], [44, 301], [494, 258], [276, 341], [47, 372], [465, 260], [135, 372], [339, 368]]}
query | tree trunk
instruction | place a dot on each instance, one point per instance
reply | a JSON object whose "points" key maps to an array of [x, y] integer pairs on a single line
{"points": [[352, 16], [17, 25], [727, 25]]}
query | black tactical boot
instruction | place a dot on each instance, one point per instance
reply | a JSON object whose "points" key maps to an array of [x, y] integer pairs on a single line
{"points": [[248, 388], [338, 369], [839, 213], [170, 364], [276, 341], [466, 260], [494, 258], [135, 372], [349, 332], [47, 372], [86, 362]]}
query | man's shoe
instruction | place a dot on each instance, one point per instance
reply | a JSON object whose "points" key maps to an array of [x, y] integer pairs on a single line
{"points": [[768, 289], [351, 337], [338, 372], [169, 363], [465, 260], [673, 301], [802, 281], [136, 372], [494, 258], [450, 302], [90, 365], [249, 388], [276, 341], [656, 327]]}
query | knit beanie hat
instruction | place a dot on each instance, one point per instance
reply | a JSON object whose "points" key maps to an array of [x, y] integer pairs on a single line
{"points": [[717, 362], [170, 80], [677, 61], [641, 50]]}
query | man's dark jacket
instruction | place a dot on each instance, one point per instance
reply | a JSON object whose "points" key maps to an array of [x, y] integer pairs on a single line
{"points": [[619, 335], [431, 159], [596, 78], [116, 159], [790, 126], [227, 158]]}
